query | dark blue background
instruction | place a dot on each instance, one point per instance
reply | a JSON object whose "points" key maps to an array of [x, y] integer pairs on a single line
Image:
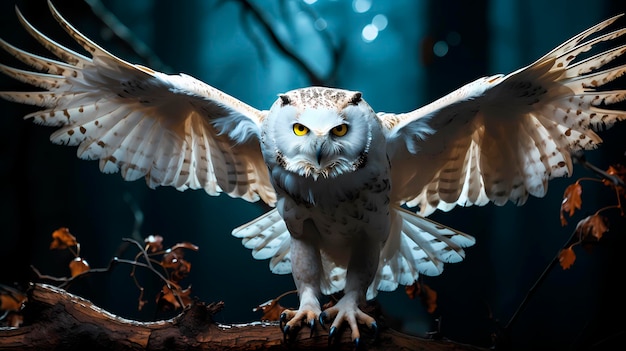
{"points": [[44, 186]]}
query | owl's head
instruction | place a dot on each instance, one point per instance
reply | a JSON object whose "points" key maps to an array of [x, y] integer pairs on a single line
{"points": [[319, 132]]}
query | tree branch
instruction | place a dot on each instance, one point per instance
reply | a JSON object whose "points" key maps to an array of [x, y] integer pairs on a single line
{"points": [[56, 319]]}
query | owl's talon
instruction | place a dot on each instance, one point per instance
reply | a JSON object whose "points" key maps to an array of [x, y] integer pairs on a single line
{"points": [[374, 327], [322, 317], [332, 334], [285, 333], [282, 321], [290, 333], [312, 326]]}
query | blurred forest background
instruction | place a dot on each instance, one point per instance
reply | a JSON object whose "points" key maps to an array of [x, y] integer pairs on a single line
{"points": [[401, 54]]}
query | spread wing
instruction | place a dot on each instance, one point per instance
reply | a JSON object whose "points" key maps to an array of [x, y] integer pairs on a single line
{"points": [[171, 129], [503, 137]]}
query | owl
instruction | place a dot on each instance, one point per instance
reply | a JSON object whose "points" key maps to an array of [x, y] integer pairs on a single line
{"points": [[351, 188]]}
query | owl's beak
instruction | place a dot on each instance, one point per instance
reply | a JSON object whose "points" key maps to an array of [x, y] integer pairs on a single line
{"points": [[319, 151], [318, 155]]}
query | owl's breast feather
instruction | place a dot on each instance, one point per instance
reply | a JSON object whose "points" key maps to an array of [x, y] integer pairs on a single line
{"points": [[342, 207]]}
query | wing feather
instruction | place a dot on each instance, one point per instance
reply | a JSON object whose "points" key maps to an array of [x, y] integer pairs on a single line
{"points": [[40, 80], [169, 129], [502, 138], [53, 67], [60, 51], [268, 237]]}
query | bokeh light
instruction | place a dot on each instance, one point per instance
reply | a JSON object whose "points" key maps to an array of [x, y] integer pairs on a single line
{"points": [[380, 21], [440, 48], [361, 6], [369, 33]]}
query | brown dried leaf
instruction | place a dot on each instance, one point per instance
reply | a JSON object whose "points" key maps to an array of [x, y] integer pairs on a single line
{"points": [[271, 310], [11, 299], [141, 304], [185, 245], [429, 298], [427, 295], [78, 266], [154, 242], [592, 226], [173, 260], [173, 297], [567, 258], [618, 171], [170, 258], [572, 201], [62, 239], [181, 270], [412, 290], [178, 267]]}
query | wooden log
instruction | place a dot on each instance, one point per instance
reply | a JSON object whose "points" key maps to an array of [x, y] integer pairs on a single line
{"points": [[58, 320]]}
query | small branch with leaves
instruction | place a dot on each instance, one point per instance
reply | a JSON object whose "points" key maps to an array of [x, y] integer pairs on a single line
{"points": [[169, 265], [589, 229], [594, 226]]}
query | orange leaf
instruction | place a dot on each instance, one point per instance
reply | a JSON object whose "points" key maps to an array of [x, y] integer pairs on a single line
{"points": [[572, 201], [178, 267], [154, 242], [11, 299], [567, 258], [170, 258], [173, 260], [429, 298], [427, 295], [185, 245], [62, 239], [271, 310], [171, 297], [78, 266], [412, 290], [617, 170], [181, 270], [594, 225]]}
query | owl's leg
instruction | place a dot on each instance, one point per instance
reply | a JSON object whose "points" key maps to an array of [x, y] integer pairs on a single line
{"points": [[361, 270], [306, 270]]}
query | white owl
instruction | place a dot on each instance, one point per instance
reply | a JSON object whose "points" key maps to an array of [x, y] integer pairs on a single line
{"points": [[336, 171]]}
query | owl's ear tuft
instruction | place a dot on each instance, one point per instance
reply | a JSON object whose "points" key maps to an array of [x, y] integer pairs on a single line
{"points": [[285, 99], [355, 98]]}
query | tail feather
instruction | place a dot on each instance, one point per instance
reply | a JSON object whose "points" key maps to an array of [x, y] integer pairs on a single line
{"points": [[416, 245], [268, 237]]}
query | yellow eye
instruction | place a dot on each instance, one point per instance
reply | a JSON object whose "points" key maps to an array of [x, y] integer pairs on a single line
{"points": [[300, 130], [340, 130]]}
